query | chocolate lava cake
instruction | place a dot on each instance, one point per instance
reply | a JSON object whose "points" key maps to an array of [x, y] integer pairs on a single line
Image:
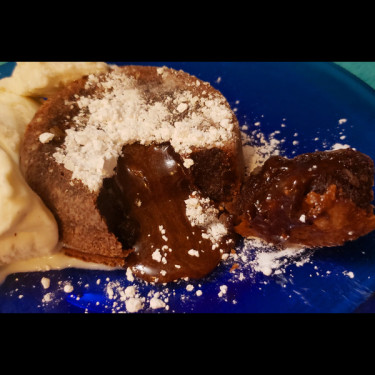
{"points": [[318, 199], [138, 165], [143, 168]]}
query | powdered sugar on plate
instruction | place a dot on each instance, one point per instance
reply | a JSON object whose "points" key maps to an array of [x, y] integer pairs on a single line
{"points": [[256, 256], [249, 259], [257, 148]]}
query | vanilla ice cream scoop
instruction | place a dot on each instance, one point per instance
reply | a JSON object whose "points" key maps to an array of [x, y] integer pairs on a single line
{"points": [[15, 113], [27, 228], [42, 79]]}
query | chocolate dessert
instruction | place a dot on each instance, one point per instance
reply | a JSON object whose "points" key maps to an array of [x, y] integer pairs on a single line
{"points": [[137, 165], [315, 200], [142, 167]]}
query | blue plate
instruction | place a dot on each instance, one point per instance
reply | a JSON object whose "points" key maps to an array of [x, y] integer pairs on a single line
{"points": [[304, 103]]}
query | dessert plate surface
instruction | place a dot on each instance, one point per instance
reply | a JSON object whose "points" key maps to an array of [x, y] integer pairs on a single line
{"points": [[292, 107]]}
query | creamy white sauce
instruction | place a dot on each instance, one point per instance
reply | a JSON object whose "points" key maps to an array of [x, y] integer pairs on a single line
{"points": [[57, 261]]}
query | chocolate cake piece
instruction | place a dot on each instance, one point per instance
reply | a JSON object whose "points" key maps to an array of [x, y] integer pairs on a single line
{"points": [[168, 133], [315, 200]]}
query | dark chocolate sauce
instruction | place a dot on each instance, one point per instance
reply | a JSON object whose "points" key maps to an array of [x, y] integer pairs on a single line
{"points": [[148, 196]]}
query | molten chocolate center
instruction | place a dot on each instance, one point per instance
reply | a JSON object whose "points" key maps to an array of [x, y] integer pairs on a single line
{"points": [[145, 208]]}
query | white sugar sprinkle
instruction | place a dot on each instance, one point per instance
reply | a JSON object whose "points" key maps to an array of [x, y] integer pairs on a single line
{"points": [[202, 214], [68, 288], [133, 305], [46, 137], [156, 303], [45, 282], [156, 255], [193, 252], [223, 290], [121, 115], [189, 287]]}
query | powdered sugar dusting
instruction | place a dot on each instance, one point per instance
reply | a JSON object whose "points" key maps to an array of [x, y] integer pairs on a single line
{"points": [[257, 256], [202, 214], [257, 148], [121, 115], [339, 146]]}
